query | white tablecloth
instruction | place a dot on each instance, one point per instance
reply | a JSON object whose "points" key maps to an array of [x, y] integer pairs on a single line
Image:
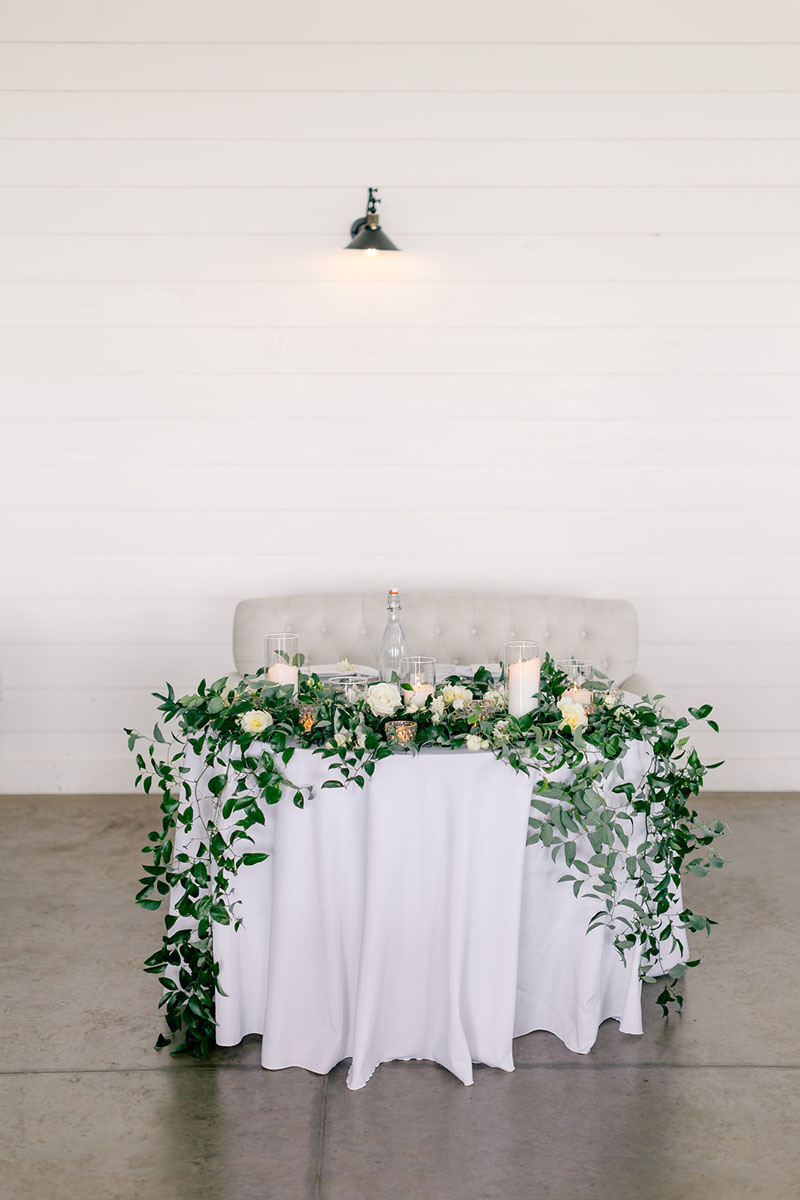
{"points": [[409, 921]]}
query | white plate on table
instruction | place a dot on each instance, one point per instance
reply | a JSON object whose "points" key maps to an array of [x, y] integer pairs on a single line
{"points": [[330, 670]]}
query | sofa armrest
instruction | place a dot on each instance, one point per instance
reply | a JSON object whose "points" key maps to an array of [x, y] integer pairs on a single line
{"points": [[640, 685]]}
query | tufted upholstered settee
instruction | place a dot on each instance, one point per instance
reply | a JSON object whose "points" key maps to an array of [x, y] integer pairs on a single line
{"points": [[455, 628]]}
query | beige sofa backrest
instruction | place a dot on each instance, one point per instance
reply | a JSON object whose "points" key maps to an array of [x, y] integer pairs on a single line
{"points": [[454, 628]]}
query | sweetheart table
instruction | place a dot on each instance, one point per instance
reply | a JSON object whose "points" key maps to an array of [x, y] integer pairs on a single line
{"points": [[409, 920]]}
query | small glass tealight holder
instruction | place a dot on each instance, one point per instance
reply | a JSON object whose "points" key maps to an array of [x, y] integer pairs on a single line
{"points": [[280, 659], [419, 671], [523, 670], [351, 687], [401, 733]]}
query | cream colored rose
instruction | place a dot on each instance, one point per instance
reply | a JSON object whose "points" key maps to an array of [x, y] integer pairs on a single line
{"points": [[255, 721], [437, 706], [384, 699], [456, 695], [475, 742], [572, 714], [495, 698], [500, 731]]}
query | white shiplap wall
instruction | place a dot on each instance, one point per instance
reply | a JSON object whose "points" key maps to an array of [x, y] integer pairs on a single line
{"points": [[203, 398]]}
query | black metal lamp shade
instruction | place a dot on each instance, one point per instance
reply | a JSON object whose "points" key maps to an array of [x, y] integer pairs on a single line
{"points": [[366, 232]]}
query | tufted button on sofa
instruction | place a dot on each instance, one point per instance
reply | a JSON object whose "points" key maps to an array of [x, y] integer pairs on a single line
{"points": [[454, 628]]}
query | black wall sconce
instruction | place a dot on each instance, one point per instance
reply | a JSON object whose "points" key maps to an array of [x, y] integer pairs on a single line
{"points": [[366, 232]]}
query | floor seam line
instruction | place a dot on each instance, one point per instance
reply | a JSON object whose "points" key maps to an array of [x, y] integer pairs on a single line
{"points": [[321, 1144], [639, 1066]]}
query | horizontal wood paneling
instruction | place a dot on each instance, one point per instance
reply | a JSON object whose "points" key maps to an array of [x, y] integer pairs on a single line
{"points": [[651, 255], [399, 164], [596, 443], [685, 491], [179, 571], [580, 376], [418, 21], [393, 303], [258, 529], [439, 211], [322, 115], [660, 399], [445, 67], [134, 620], [408, 351]]}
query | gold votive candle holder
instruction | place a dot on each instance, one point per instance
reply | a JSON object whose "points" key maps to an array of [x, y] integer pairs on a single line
{"points": [[307, 716], [401, 733]]}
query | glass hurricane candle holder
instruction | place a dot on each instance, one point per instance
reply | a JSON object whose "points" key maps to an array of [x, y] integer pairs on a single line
{"points": [[579, 672], [523, 670], [280, 659], [419, 671], [401, 733]]}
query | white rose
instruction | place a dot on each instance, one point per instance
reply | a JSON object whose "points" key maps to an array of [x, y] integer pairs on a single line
{"points": [[384, 699], [500, 731], [572, 714], [610, 699], [474, 742], [437, 708], [361, 737], [456, 695], [342, 738], [255, 721], [495, 698]]}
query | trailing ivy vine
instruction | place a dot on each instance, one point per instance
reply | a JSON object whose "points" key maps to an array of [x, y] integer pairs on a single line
{"points": [[628, 854]]}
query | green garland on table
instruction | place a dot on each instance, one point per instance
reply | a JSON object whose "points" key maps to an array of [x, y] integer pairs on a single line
{"points": [[245, 736]]}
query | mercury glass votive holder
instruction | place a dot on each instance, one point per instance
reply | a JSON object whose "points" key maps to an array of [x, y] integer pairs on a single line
{"points": [[307, 716], [401, 733]]}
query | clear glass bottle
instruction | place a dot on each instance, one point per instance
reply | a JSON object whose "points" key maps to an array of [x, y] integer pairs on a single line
{"points": [[393, 642]]}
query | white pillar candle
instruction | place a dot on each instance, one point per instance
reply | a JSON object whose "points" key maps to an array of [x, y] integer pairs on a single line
{"points": [[283, 673], [578, 695], [419, 694], [523, 684]]}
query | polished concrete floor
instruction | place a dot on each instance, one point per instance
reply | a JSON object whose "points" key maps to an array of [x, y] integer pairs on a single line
{"points": [[706, 1105]]}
